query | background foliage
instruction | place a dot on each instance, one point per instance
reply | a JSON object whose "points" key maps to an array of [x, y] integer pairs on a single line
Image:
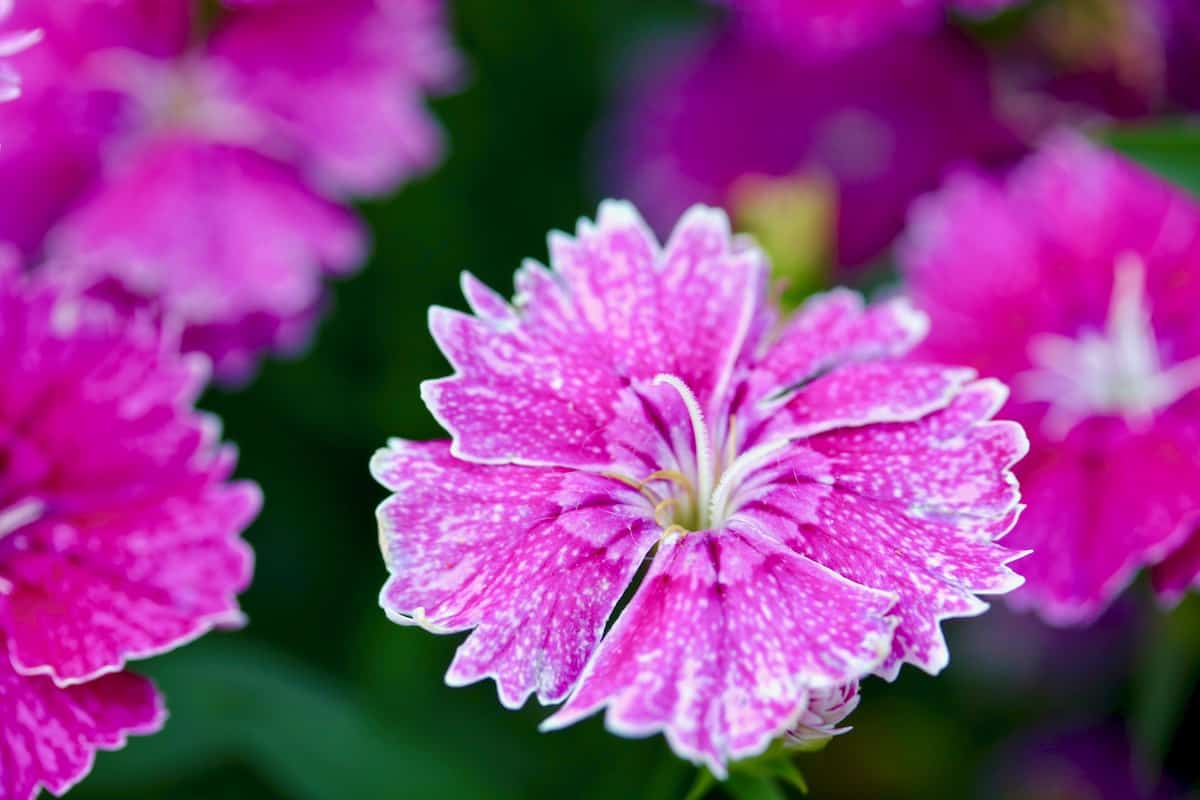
{"points": [[321, 697]]}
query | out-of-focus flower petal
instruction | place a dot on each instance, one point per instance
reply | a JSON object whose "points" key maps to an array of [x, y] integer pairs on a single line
{"points": [[228, 242], [50, 735]]}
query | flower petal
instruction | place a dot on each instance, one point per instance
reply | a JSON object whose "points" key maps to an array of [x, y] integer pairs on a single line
{"points": [[1179, 571], [862, 393], [541, 387], [534, 560], [49, 735], [913, 508], [109, 585], [723, 642], [951, 462], [1095, 517], [834, 328], [217, 236]]}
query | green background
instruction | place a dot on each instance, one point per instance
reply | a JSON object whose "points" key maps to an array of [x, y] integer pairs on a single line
{"points": [[321, 697]]}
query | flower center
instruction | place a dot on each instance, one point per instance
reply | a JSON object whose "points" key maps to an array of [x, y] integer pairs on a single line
{"points": [[182, 95], [700, 495], [1116, 372]]}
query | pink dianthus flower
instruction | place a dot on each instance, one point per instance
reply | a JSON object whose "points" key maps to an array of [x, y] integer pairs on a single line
{"points": [[119, 527], [811, 504], [1076, 280]]}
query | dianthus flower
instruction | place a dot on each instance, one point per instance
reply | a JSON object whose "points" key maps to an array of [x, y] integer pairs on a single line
{"points": [[881, 126], [1076, 280], [200, 171], [119, 528], [825, 27], [812, 505]]}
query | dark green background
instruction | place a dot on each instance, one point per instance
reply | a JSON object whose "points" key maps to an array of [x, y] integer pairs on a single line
{"points": [[321, 697]]}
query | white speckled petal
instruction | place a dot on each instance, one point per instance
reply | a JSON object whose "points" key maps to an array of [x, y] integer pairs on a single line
{"points": [[534, 560], [864, 393], [538, 385], [833, 328], [914, 508], [723, 642]]}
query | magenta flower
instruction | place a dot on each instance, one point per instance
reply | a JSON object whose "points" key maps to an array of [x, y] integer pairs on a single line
{"points": [[882, 125], [830, 27], [165, 167], [119, 528], [1077, 280], [812, 504]]}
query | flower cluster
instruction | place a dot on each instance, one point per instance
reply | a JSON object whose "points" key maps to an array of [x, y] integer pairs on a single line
{"points": [[811, 504], [119, 527], [199, 169], [1075, 280]]}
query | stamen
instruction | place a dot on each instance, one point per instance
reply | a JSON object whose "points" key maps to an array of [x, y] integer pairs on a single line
{"points": [[665, 505], [675, 476], [1116, 371], [704, 452], [19, 515], [634, 484], [731, 442], [1129, 327], [736, 475], [673, 529]]}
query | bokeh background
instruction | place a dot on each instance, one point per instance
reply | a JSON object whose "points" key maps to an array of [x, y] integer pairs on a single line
{"points": [[321, 697]]}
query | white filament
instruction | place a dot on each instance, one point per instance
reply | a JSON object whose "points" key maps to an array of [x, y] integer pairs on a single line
{"points": [[704, 451]]}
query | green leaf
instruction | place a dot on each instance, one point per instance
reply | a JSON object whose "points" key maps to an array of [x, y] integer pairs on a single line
{"points": [[305, 735], [1169, 147]]}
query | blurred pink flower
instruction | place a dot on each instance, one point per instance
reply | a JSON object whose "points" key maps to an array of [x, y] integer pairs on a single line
{"points": [[1076, 280], [812, 504], [832, 27], [119, 527], [194, 172], [49, 735], [883, 124]]}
